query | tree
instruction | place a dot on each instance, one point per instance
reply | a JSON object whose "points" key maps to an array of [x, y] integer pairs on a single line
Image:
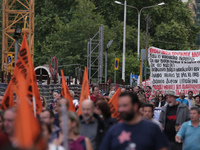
{"points": [[68, 41]]}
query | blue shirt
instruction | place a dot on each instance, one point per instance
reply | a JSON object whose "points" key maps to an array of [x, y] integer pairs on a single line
{"points": [[190, 136], [184, 101], [144, 135]]}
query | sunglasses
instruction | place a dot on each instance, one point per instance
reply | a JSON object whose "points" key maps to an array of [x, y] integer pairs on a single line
{"points": [[57, 91]]}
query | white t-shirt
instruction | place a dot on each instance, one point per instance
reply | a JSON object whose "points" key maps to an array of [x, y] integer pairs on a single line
{"points": [[55, 147]]}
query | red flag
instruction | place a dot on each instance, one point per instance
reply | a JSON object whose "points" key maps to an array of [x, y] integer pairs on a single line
{"points": [[27, 128], [84, 91], [65, 93], [8, 99], [113, 103], [24, 67]]}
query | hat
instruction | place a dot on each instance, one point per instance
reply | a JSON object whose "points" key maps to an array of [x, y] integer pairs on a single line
{"points": [[170, 92]]}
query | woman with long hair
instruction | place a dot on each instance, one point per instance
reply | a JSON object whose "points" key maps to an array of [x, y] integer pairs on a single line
{"points": [[44, 102], [75, 140], [160, 101], [103, 110]]}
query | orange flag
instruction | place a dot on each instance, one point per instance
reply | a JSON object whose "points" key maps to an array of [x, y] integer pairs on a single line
{"points": [[65, 93], [27, 128], [24, 67], [113, 103], [8, 99], [84, 91]]}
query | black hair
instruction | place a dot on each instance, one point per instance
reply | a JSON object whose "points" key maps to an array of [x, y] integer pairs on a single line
{"points": [[50, 112], [149, 105], [149, 87], [94, 87], [197, 96], [195, 108], [133, 96], [190, 92], [57, 91]]}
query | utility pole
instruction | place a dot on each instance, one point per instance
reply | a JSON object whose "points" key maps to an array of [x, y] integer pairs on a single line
{"points": [[148, 21]]}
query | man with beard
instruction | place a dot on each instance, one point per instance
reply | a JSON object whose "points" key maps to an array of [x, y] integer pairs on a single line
{"points": [[172, 116], [134, 132], [47, 117], [182, 99], [91, 124]]}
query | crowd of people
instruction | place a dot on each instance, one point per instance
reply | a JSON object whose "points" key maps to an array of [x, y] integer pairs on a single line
{"points": [[177, 128]]}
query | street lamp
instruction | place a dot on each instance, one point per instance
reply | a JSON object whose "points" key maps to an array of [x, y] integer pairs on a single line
{"points": [[124, 40], [139, 14]]}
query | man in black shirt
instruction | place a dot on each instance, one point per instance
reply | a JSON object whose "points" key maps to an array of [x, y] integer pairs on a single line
{"points": [[173, 116]]}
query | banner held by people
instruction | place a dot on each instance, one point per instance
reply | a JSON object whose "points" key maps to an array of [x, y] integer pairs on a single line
{"points": [[178, 70]]}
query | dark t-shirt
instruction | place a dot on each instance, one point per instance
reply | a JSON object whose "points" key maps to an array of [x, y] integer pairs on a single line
{"points": [[169, 130], [145, 135]]}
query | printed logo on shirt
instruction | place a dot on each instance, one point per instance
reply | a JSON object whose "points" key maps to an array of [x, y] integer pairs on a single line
{"points": [[124, 136], [171, 117]]}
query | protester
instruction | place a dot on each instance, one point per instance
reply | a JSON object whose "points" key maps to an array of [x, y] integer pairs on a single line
{"points": [[142, 98], [95, 93], [103, 110], [172, 117], [189, 131], [75, 101], [46, 134], [133, 132], [148, 93], [123, 90], [182, 99], [8, 124], [56, 96], [160, 101], [57, 109], [100, 92], [62, 101], [90, 91], [1, 97], [190, 99], [92, 125], [156, 98], [197, 100], [44, 102], [76, 141], [111, 94], [47, 117], [136, 89], [148, 111], [56, 114], [1, 122]]}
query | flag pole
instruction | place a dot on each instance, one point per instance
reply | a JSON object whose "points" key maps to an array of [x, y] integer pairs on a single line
{"points": [[65, 127], [34, 106]]}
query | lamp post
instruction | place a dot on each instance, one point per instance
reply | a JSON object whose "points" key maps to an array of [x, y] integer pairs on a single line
{"points": [[139, 14]]}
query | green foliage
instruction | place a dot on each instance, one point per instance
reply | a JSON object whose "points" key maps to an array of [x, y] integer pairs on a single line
{"points": [[63, 28]]}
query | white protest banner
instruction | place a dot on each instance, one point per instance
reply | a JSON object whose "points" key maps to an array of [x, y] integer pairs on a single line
{"points": [[178, 70]]}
